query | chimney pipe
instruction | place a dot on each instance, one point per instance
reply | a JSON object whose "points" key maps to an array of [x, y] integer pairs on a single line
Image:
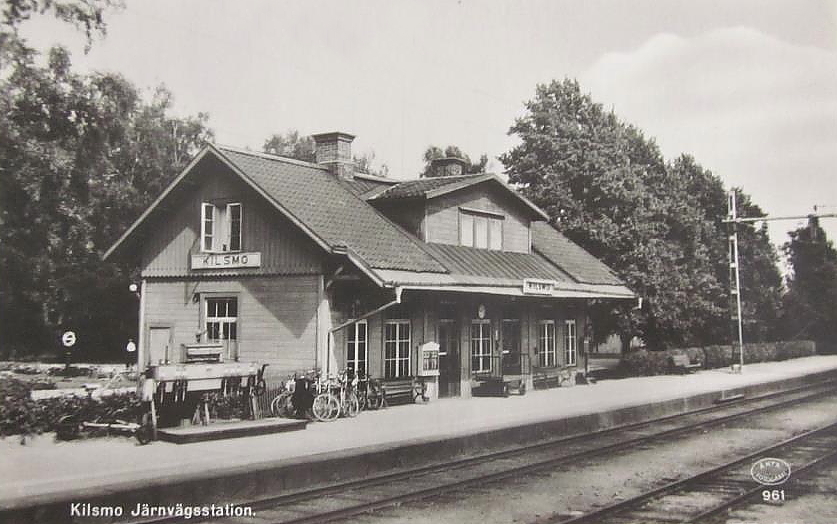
{"points": [[448, 166], [334, 151]]}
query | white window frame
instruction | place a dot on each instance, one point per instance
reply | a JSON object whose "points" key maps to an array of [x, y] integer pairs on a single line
{"points": [[353, 342], [482, 346], [220, 320], [207, 233], [216, 227], [546, 344], [485, 231], [393, 364], [570, 343]]}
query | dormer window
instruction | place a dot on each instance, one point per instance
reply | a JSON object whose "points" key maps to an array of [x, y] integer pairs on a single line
{"points": [[220, 227], [481, 229]]}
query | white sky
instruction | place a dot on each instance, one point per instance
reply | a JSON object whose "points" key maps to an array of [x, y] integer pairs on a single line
{"points": [[748, 87]]}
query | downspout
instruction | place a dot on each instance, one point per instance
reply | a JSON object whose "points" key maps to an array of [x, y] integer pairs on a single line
{"points": [[352, 321]]}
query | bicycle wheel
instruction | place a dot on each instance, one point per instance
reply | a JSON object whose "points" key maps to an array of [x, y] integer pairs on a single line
{"points": [[375, 397], [351, 405], [281, 405], [326, 407], [362, 400]]}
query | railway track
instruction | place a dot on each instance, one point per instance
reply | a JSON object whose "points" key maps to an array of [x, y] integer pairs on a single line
{"points": [[347, 499], [709, 495]]}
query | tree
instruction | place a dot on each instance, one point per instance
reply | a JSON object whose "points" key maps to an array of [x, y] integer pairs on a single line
{"points": [[811, 300], [291, 145], [434, 152], [81, 156], [607, 187], [85, 15]]}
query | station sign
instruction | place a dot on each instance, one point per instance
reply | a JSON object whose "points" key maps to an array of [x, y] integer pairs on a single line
{"points": [[226, 260], [535, 286]]}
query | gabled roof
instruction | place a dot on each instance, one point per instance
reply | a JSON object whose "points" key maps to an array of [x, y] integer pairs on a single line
{"points": [[333, 214], [422, 186], [433, 187], [569, 256], [321, 205]]}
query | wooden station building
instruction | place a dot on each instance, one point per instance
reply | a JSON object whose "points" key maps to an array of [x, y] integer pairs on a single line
{"points": [[313, 265]]}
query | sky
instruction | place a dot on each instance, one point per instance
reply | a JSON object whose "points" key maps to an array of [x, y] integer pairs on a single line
{"points": [[749, 88]]}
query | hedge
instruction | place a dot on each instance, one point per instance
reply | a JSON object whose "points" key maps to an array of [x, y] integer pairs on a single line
{"points": [[21, 415], [647, 363]]}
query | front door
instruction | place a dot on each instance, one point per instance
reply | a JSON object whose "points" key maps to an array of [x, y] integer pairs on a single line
{"points": [[511, 347], [159, 340], [448, 359]]}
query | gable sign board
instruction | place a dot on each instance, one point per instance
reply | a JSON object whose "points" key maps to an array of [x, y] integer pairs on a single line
{"points": [[226, 260], [534, 286]]}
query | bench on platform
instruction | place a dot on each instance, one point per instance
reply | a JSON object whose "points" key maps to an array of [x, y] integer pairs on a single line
{"points": [[404, 390], [552, 378], [682, 364]]}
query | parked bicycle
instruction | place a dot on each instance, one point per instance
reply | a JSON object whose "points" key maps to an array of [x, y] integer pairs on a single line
{"points": [[370, 392], [282, 404]]}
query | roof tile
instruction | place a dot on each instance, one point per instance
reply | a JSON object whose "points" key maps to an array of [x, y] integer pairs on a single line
{"points": [[324, 204]]}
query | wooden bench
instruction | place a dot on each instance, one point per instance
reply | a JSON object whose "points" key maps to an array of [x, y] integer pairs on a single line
{"points": [[404, 390], [681, 363]]}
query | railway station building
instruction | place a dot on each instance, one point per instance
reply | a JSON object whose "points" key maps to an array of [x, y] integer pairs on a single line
{"points": [[455, 278]]}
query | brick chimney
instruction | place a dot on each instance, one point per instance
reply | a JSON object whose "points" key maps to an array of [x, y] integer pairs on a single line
{"points": [[334, 151], [448, 166]]}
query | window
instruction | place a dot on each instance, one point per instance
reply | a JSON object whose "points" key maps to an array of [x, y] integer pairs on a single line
{"points": [[397, 348], [480, 346], [221, 227], [546, 343], [466, 229], [481, 230], [570, 343], [221, 317], [356, 347]]}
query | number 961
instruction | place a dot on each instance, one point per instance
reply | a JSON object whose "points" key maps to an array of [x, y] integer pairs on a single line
{"points": [[773, 495]]}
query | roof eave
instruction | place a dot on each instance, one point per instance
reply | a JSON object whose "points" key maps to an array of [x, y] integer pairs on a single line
{"points": [[174, 183], [486, 178]]}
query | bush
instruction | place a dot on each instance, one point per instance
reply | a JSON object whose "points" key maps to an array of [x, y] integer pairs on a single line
{"points": [[20, 415], [646, 363]]}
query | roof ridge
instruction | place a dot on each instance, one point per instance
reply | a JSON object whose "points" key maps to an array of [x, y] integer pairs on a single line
{"points": [[269, 156], [418, 242]]}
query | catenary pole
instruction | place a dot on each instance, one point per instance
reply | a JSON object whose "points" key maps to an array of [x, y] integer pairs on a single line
{"points": [[735, 275]]}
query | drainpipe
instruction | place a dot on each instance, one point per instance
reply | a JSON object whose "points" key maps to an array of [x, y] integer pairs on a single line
{"points": [[375, 311]]}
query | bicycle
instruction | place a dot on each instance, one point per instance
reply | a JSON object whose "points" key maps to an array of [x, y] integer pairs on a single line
{"points": [[349, 403], [282, 404], [326, 406], [370, 392]]}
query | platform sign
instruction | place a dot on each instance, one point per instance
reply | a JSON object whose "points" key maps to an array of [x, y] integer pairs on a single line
{"points": [[68, 339], [535, 286]]}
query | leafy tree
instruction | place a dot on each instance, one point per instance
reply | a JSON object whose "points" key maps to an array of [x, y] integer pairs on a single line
{"points": [[658, 225], [811, 300], [291, 145], [81, 156], [85, 15], [434, 152]]}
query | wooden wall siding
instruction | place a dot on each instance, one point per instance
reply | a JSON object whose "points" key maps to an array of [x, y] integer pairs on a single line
{"points": [[277, 319], [175, 234], [408, 214], [442, 224]]}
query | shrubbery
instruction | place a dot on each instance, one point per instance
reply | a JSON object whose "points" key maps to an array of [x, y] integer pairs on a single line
{"points": [[21, 415], [646, 363]]}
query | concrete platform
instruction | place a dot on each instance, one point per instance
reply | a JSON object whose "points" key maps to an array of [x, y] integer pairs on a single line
{"points": [[223, 430], [43, 477]]}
